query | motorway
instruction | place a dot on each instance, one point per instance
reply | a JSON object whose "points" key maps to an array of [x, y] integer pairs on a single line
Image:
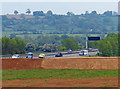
{"points": [[52, 55], [72, 55]]}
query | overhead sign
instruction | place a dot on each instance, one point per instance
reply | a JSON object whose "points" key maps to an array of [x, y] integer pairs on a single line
{"points": [[94, 38]]}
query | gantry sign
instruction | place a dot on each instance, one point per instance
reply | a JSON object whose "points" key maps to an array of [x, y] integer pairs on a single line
{"points": [[91, 39]]}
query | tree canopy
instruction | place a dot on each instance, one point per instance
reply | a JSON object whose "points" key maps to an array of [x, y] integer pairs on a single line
{"points": [[109, 46], [70, 43], [12, 46]]}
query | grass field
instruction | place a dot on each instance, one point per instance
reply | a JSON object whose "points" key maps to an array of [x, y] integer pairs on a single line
{"points": [[57, 74], [71, 35], [7, 34]]}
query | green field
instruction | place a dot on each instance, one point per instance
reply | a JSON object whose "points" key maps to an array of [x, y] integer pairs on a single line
{"points": [[7, 34], [57, 74], [34, 36]]}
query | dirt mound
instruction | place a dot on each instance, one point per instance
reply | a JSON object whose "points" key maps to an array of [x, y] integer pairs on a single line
{"points": [[21, 64], [100, 63], [61, 63]]}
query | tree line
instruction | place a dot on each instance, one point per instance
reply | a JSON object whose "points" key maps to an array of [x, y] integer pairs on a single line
{"points": [[108, 46], [52, 43], [18, 46], [49, 12]]}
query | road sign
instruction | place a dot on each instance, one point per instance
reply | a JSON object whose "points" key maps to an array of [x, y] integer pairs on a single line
{"points": [[93, 38]]}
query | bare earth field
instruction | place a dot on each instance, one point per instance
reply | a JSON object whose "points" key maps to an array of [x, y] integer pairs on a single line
{"points": [[92, 82], [90, 63]]}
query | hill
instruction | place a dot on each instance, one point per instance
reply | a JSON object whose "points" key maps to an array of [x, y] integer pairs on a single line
{"points": [[59, 24]]}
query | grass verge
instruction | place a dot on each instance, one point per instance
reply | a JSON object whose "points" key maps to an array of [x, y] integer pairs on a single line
{"points": [[57, 73]]}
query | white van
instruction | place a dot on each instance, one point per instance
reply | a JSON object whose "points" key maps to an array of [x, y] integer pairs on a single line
{"points": [[15, 56]]}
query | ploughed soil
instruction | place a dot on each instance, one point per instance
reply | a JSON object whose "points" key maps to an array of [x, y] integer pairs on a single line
{"points": [[91, 82], [98, 63]]}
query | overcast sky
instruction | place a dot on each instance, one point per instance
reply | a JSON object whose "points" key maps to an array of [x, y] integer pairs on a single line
{"points": [[59, 0], [59, 7]]}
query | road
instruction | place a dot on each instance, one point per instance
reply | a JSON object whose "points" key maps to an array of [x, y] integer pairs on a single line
{"points": [[53, 55], [73, 55]]}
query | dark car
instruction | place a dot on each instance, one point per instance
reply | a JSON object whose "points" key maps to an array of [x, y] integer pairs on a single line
{"points": [[58, 54], [29, 55]]}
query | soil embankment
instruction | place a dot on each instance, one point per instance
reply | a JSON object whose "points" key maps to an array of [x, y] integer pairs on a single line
{"points": [[21, 64], [99, 63]]}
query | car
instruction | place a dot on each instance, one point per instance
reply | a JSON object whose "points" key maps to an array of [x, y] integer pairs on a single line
{"points": [[29, 55], [69, 50], [58, 54], [16, 56], [42, 55], [83, 53]]}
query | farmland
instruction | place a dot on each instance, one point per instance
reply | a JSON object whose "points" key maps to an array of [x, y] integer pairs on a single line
{"points": [[61, 72]]}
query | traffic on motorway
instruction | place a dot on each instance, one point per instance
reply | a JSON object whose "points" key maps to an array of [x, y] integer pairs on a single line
{"points": [[69, 53]]}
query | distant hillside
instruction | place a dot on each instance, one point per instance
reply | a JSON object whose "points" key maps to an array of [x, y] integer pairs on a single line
{"points": [[92, 23]]}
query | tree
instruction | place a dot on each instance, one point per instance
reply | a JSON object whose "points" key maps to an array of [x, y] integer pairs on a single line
{"points": [[38, 13], [12, 46], [70, 43], [108, 46], [50, 48], [15, 12], [93, 13], [86, 13], [108, 13], [70, 13], [30, 47], [20, 45], [49, 13], [28, 11], [62, 48]]}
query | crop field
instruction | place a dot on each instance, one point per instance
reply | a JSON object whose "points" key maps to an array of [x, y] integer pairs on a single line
{"points": [[34, 36], [75, 72]]}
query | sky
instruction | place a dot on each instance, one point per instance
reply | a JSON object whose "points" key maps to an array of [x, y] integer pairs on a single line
{"points": [[74, 6], [59, 0]]}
